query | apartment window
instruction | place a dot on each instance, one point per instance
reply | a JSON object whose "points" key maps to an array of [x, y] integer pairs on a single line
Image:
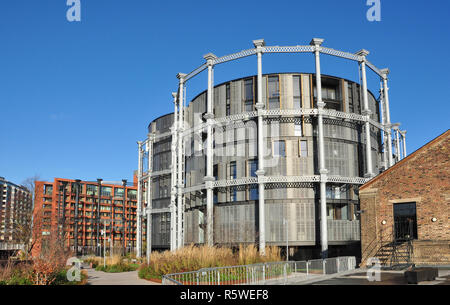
{"points": [[350, 98], [233, 194], [303, 149], [248, 95], [253, 193], [91, 189], [252, 168], [279, 148], [298, 130], [296, 79], [48, 189], [274, 92], [215, 171], [106, 191], [118, 192], [233, 170], [228, 107]]}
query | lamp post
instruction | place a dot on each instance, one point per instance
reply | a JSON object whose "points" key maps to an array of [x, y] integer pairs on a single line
{"points": [[98, 214], [124, 183], [285, 222], [77, 201]]}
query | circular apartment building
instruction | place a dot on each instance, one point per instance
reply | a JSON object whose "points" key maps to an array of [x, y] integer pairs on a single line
{"points": [[265, 159]]}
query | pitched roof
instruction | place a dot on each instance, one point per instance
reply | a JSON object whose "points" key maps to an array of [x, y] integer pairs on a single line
{"points": [[435, 140]]}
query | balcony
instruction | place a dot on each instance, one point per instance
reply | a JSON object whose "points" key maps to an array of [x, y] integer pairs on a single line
{"points": [[343, 230]]}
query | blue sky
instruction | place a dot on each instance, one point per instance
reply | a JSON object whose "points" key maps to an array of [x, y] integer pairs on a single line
{"points": [[75, 97]]}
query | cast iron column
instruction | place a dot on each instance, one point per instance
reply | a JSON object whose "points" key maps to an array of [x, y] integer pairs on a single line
{"points": [[208, 179], [366, 112], [173, 177], [388, 116], [259, 45], [316, 42], [180, 164]]}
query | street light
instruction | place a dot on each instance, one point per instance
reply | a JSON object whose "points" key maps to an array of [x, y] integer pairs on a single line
{"points": [[124, 183]]}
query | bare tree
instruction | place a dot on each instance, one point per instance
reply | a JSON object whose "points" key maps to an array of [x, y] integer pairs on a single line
{"points": [[23, 225]]}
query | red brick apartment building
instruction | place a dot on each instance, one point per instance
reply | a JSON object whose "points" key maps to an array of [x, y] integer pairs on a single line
{"points": [[406, 209], [55, 213]]}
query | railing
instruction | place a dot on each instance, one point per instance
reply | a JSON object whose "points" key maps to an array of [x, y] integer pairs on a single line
{"points": [[264, 273]]}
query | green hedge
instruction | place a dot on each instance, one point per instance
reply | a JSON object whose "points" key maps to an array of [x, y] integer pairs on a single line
{"points": [[121, 267]]}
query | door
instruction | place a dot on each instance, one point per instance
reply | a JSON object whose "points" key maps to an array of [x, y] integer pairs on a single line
{"points": [[405, 221]]}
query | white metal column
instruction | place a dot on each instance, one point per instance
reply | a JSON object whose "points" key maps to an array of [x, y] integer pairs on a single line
{"points": [[397, 142], [259, 45], [208, 179], [403, 133], [383, 122], [180, 162], [173, 181], [150, 139], [388, 116], [366, 112], [139, 202], [316, 42]]}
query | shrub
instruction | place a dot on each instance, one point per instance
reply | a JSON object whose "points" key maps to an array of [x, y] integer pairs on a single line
{"points": [[192, 258]]}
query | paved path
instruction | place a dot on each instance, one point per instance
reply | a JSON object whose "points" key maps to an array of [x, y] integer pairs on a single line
{"points": [[121, 278]]}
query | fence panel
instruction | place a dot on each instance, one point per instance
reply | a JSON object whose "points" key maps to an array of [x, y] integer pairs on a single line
{"points": [[264, 273]]}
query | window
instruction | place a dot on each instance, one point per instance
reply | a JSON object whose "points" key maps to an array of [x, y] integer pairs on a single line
{"points": [[405, 221], [298, 130], [248, 95], [279, 148], [350, 98], [252, 168], [233, 170], [274, 92], [91, 189], [296, 79], [118, 192], [303, 149], [233, 193], [48, 189], [106, 191], [253, 193], [216, 171], [227, 110]]}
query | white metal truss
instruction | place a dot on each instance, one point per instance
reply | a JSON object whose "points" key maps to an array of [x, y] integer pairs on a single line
{"points": [[341, 54], [288, 49]]}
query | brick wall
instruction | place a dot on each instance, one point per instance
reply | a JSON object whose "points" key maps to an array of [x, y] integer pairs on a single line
{"points": [[424, 178]]}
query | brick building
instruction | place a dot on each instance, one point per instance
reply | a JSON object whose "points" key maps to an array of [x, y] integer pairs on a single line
{"points": [[406, 209], [55, 213]]}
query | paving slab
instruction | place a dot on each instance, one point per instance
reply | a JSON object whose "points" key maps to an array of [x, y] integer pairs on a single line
{"points": [[120, 278]]}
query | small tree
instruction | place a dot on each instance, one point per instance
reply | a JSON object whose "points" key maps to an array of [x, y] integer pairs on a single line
{"points": [[23, 226]]}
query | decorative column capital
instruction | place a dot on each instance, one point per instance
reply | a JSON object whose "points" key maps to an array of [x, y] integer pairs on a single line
{"points": [[208, 115], [259, 106], [316, 42], [259, 44], [395, 126], [402, 132], [209, 182], [362, 54], [367, 112], [321, 105], [181, 77], [175, 96], [210, 58], [385, 72]]}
